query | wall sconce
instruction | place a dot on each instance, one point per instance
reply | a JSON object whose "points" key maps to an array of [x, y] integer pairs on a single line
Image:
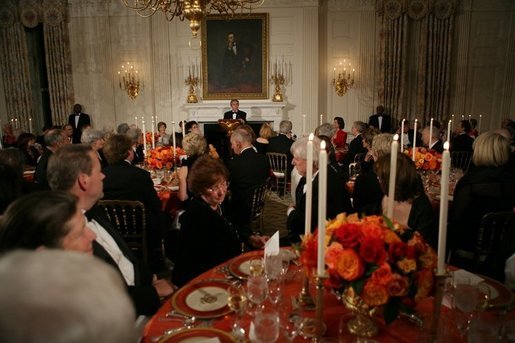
{"points": [[280, 76], [192, 80], [129, 80], [343, 80]]}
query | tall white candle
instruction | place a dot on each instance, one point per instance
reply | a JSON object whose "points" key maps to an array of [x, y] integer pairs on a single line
{"points": [[444, 206], [462, 117], [309, 185], [321, 119], [430, 132], [479, 126], [452, 118], [449, 126], [393, 175], [16, 125], [414, 140], [322, 201], [30, 125], [153, 139], [470, 117], [144, 137], [402, 134], [173, 140], [303, 125], [136, 121]]}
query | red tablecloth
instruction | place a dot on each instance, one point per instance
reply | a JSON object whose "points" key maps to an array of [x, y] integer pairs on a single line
{"points": [[400, 330], [170, 202]]}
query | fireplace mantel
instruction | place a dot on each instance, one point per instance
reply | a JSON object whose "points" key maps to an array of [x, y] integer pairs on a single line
{"points": [[257, 111]]}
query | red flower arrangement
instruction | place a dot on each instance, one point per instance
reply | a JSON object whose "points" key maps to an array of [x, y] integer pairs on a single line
{"points": [[381, 262], [425, 159], [162, 157], [148, 137]]}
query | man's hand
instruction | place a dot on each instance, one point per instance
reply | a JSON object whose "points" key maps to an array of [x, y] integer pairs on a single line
{"points": [[163, 287], [258, 242]]}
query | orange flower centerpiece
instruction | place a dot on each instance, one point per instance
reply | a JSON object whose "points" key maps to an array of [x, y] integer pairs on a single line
{"points": [[162, 157], [425, 159], [373, 262]]}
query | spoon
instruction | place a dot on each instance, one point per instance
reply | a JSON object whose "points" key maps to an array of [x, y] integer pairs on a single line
{"points": [[174, 313]]}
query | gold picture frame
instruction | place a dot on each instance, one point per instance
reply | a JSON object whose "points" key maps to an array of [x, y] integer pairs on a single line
{"points": [[237, 66]]}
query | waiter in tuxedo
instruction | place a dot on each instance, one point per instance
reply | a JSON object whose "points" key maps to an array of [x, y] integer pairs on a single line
{"points": [[235, 112], [78, 121], [380, 120]]}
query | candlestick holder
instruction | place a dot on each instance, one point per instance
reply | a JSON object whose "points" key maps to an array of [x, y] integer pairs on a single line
{"points": [[305, 300], [191, 81], [437, 305], [278, 80], [129, 81], [321, 328]]}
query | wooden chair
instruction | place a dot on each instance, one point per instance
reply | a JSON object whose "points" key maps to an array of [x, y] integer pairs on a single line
{"points": [[129, 218], [279, 165], [258, 204], [461, 159]]}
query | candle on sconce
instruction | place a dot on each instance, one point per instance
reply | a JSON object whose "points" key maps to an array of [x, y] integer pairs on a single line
{"points": [[462, 117], [144, 137], [30, 124], [309, 185], [414, 140], [16, 124], [321, 119], [444, 206], [452, 118], [322, 207], [470, 117], [303, 125], [479, 125], [402, 134], [153, 138], [136, 121], [430, 132], [449, 130], [173, 140], [393, 175]]}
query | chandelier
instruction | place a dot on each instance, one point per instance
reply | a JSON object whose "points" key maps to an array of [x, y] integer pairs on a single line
{"points": [[343, 80], [192, 10], [129, 81]]}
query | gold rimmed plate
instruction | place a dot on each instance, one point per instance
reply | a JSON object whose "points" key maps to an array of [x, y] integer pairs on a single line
{"points": [[240, 266], [204, 299], [198, 335], [500, 295]]}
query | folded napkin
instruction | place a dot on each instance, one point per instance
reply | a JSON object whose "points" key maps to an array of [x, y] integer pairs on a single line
{"points": [[272, 245]]}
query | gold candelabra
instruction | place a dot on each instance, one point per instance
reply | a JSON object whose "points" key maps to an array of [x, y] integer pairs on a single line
{"points": [[280, 76], [192, 80], [343, 80], [129, 81]]}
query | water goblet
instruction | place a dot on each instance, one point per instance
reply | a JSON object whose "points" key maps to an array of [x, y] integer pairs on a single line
{"points": [[265, 327], [257, 290], [256, 266], [273, 266], [274, 290], [237, 301]]}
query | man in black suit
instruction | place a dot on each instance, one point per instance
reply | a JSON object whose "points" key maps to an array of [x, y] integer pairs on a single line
{"points": [[78, 121], [436, 143], [462, 141], [338, 199], [282, 142], [54, 140], [248, 170], [76, 169], [355, 146], [380, 120], [235, 112]]}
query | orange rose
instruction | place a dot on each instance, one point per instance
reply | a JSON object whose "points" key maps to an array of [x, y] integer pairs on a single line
{"points": [[428, 259], [383, 274], [398, 286], [372, 251], [374, 294], [391, 237], [350, 266], [424, 282], [373, 230], [349, 235], [308, 256], [407, 265], [332, 255]]}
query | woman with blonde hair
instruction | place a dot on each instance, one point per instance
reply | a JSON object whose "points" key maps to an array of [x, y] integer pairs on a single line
{"points": [[265, 133], [195, 146]]}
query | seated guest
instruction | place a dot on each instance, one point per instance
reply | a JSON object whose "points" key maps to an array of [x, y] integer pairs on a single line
{"points": [[195, 146], [122, 128], [8, 137], [462, 141], [248, 170], [11, 184], [207, 238], [436, 143], [45, 219], [356, 145], [262, 142], [163, 139], [337, 197], [26, 143], [325, 129], [192, 126], [339, 138], [123, 181], [54, 140], [70, 298], [76, 170], [68, 132], [366, 161], [367, 194], [488, 187], [282, 142], [95, 139], [412, 207], [137, 145]]}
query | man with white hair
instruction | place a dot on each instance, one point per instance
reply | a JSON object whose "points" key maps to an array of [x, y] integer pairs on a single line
{"points": [[71, 298], [282, 142], [54, 139], [436, 143]]}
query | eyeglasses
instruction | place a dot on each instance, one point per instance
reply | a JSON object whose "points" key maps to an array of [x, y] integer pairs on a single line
{"points": [[219, 187]]}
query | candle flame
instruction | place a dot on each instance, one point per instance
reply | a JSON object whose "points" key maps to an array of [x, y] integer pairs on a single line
{"points": [[311, 136], [396, 137], [446, 145], [322, 145]]}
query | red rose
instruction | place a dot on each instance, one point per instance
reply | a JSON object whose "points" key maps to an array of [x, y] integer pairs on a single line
{"points": [[397, 250], [309, 253], [372, 251], [348, 235], [398, 286], [383, 274]]}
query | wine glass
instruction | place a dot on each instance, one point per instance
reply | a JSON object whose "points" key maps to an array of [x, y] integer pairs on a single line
{"points": [[256, 266], [468, 300], [237, 301], [274, 290], [257, 290], [273, 266], [266, 326]]}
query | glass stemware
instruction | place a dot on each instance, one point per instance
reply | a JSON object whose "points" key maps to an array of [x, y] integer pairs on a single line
{"points": [[237, 301], [256, 266], [266, 327], [257, 290]]}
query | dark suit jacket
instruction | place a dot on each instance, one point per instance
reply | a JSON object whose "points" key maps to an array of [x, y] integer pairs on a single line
{"points": [[386, 125], [281, 144], [40, 176], [247, 171], [239, 115], [355, 147], [438, 146], [462, 142], [143, 294], [367, 194], [338, 201], [84, 120]]}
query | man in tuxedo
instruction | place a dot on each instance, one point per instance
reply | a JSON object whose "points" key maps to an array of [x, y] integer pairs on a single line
{"points": [[338, 199], [355, 146], [54, 140], [235, 112], [76, 169], [462, 141], [380, 120], [248, 170], [282, 142], [78, 121], [436, 143]]}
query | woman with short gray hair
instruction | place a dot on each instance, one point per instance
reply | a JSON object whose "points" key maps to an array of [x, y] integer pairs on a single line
{"points": [[95, 139]]}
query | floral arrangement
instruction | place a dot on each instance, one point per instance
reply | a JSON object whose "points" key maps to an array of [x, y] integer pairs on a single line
{"points": [[148, 137], [426, 159], [381, 262], [162, 157]]}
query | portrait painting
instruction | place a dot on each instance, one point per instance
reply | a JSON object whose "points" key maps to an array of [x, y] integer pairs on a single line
{"points": [[234, 57]]}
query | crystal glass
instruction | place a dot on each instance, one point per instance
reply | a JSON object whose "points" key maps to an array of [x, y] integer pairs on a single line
{"points": [[256, 266], [273, 266], [237, 301], [257, 290], [266, 327]]}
